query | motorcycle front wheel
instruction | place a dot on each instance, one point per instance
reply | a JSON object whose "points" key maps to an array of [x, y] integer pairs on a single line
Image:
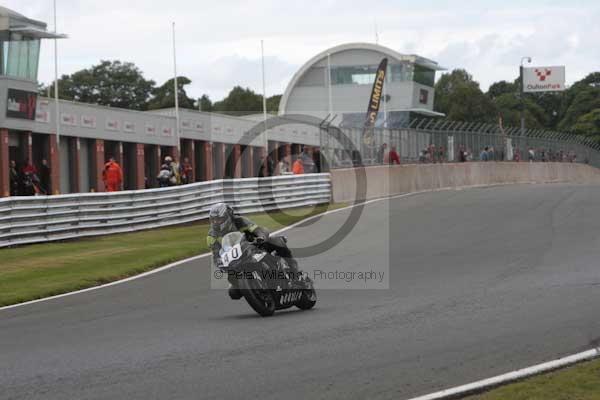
{"points": [[260, 299]]}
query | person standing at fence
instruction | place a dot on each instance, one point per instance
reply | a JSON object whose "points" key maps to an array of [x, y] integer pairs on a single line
{"points": [[392, 157], [45, 177], [462, 154], [441, 154], [112, 175], [13, 174], [307, 161], [531, 154], [381, 153], [298, 167], [186, 171], [484, 156], [283, 167]]}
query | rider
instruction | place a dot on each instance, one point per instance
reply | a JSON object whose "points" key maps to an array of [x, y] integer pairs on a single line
{"points": [[223, 220]]}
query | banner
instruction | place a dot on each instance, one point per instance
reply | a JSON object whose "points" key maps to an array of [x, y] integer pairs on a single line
{"points": [[374, 102], [21, 104], [544, 79]]}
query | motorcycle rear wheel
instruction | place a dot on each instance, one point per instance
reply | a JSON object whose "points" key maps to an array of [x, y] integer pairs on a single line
{"points": [[261, 300]]}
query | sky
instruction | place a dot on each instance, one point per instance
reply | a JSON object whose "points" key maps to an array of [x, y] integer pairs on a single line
{"points": [[218, 42]]}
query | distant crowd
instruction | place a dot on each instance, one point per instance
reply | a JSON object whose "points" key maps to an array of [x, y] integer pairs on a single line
{"points": [[437, 154]]}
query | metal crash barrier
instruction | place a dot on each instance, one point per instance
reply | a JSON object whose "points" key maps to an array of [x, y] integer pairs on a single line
{"points": [[38, 219]]}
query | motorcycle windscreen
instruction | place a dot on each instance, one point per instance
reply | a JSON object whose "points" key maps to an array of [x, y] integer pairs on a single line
{"points": [[230, 240]]}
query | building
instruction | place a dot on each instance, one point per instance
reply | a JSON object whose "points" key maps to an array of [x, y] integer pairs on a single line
{"points": [[338, 81], [217, 145]]}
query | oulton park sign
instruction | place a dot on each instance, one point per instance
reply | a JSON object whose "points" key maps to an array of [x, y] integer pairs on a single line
{"points": [[544, 79]]}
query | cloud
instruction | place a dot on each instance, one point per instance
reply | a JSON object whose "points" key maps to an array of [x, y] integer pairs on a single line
{"points": [[219, 42]]}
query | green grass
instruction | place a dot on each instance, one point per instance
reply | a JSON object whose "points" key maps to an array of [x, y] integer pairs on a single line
{"points": [[42, 270], [579, 382]]}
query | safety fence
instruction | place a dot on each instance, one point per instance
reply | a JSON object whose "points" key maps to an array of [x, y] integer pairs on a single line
{"points": [[439, 140], [47, 218]]}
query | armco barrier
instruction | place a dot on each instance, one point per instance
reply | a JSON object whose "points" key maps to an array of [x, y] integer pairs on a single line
{"points": [[378, 181], [47, 218]]}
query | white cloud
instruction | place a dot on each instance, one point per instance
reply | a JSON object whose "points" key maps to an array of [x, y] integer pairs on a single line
{"points": [[219, 42]]}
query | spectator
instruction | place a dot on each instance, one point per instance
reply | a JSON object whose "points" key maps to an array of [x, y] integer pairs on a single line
{"points": [[307, 161], [543, 155], [393, 157], [423, 156], [432, 154], [266, 166], [462, 154], [491, 154], [29, 168], [112, 175], [14, 178], [45, 177], [484, 156], [31, 181], [381, 153], [174, 166], [517, 155], [284, 167], [187, 171], [298, 167], [531, 155], [441, 154], [165, 176], [317, 160]]}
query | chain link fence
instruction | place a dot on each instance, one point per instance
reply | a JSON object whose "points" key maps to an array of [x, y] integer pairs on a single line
{"points": [[439, 140]]}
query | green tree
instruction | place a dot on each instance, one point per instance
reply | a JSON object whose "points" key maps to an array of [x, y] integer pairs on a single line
{"points": [[273, 103], [497, 89], [459, 97], [589, 124], [163, 95], [204, 103], [584, 100], [239, 101], [242, 101], [110, 83], [508, 106]]}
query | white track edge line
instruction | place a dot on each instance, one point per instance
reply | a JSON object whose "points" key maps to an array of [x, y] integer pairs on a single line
{"points": [[471, 388], [197, 257]]}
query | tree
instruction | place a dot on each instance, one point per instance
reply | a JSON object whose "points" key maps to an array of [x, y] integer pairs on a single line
{"points": [[273, 103], [589, 124], [459, 97], [110, 83], [508, 106], [584, 100], [204, 103], [163, 95], [497, 89]]}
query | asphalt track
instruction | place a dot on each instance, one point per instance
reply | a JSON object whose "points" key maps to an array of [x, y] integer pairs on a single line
{"points": [[482, 281]]}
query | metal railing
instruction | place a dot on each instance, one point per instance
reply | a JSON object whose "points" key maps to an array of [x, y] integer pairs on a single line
{"points": [[47, 218], [343, 147]]}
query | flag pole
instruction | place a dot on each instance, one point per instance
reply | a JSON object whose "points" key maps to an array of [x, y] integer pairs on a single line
{"points": [[57, 117], [262, 56], [176, 94]]}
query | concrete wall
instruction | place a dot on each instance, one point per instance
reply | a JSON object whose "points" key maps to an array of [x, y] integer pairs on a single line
{"points": [[390, 180]]}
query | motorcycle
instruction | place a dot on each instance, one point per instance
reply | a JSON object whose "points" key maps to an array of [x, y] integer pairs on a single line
{"points": [[264, 278]]}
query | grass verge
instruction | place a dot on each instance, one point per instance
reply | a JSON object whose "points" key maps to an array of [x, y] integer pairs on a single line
{"points": [[579, 382], [42, 270]]}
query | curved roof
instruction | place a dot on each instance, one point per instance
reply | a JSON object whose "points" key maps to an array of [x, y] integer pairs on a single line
{"points": [[6, 12], [351, 46], [17, 20]]}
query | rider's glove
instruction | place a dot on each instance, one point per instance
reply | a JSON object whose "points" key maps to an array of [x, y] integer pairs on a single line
{"points": [[260, 240]]}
